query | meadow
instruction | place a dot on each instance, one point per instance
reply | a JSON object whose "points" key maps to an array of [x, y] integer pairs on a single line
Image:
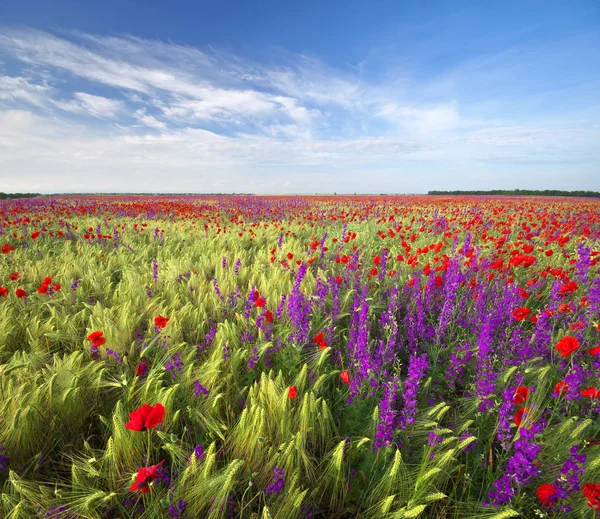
{"points": [[299, 357]]}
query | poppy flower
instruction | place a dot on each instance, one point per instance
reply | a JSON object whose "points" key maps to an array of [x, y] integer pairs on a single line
{"points": [[594, 351], [20, 293], [144, 477], [95, 335], [6, 248], [591, 392], [141, 369], [161, 321], [521, 394], [373, 271], [3, 291], [567, 345], [319, 338], [339, 279], [260, 302], [561, 387], [290, 255], [546, 494], [269, 316], [322, 345], [292, 392], [47, 281], [146, 417], [43, 289], [520, 415], [521, 313], [591, 491], [56, 287], [14, 276], [35, 234], [345, 376]]}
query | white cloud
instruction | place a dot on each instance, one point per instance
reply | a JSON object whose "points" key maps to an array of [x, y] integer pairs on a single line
{"points": [[175, 118]]}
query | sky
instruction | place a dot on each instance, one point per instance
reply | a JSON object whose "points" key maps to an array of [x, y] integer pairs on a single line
{"points": [[298, 97]]}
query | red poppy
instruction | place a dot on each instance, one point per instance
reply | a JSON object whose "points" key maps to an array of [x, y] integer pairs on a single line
{"points": [[521, 313], [373, 271], [345, 376], [290, 255], [520, 415], [260, 302], [56, 287], [95, 335], [43, 289], [561, 387], [339, 279], [146, 417], [594, 351], [546, 494], [161, 321], [592, 493], [376, 260], [591, 392], [141, 369], [269, 316], [292, 392], [35, 234], [567, 345], [14, 276], [521, 394], [6, 248], [319, 338], [144, 477], [20, 293], [47, 281], [3, 291]]}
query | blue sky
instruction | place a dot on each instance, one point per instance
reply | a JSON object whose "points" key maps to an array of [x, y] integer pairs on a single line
{"points": [[298, 97]]}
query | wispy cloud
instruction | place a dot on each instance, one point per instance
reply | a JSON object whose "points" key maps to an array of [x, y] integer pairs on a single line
{"points": [[125, 112]]}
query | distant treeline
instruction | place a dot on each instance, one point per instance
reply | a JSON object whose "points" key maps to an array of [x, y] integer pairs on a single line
{"points": [[520, 192], [5, 196]]}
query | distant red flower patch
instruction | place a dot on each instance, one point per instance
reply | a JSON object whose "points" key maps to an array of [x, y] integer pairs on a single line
{"points": [[146, 417], [6, 248]]}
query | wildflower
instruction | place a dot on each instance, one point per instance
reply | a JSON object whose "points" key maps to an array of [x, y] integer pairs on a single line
{"points": [[345, 376], [594, 351], [521, 415], [141, 369], [20, 293], [546, 494], [3, 460], [277, 483], [6, 248], [14, 276], [561, 387], [521, 394], [97, 339], [161, 321], [145, 476], [567, 345], [259, 302], [269, 316], [146, 417], [591, 492], [319, 338], [521, 313], [292, 392], [35, 235], [591, 392], [199, 389], [3, 292]]}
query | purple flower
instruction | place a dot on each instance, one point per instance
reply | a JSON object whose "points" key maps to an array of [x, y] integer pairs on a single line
{"points": [[199, 389], [277, 482]]}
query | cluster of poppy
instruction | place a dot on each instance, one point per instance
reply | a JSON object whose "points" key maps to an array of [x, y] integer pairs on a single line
{"points": [[548, 494], [565, 347]]}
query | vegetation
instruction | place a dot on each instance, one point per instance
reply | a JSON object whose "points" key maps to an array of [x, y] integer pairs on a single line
{"points": [[299, 357]]}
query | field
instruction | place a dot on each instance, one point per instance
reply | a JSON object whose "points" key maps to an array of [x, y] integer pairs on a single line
{"points": [[299, 357]]}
